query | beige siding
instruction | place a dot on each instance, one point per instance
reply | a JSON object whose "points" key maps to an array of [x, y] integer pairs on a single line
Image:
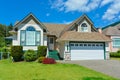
{"points": [[16, 40], [61, 49]]}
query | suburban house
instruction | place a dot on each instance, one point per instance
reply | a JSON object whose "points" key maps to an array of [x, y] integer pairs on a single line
{"points": [[78, 40], [113, 32]]}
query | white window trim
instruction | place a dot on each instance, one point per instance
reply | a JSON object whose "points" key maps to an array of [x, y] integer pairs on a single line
{"points": [[115, 46]]}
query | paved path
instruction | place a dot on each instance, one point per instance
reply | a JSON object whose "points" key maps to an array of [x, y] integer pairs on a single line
{"points": [[109, 67]]}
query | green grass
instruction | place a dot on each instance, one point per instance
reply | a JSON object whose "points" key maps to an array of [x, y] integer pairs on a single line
{"points": [[115, 58], [37, 71]]}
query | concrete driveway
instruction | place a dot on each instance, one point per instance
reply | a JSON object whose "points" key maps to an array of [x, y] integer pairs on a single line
{"points": [[109, 67]]}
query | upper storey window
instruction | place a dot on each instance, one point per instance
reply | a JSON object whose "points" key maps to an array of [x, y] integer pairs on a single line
{"points": [[84, 27]]}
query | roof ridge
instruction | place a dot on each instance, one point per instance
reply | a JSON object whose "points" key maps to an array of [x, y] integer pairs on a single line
{"points": [[111, 25], [54, 23]]}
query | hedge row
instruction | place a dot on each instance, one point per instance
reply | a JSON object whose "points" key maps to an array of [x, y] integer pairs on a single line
{"points": [[115, 54], [30, 55]]}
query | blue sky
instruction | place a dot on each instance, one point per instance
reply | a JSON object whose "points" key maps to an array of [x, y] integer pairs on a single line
{"points": [[101, 12]]}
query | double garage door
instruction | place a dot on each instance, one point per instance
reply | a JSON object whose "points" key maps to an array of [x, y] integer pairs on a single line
{"points": [[87, 51]]}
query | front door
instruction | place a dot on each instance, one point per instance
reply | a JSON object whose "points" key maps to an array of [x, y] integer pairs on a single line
{"points": [[51, 43]]}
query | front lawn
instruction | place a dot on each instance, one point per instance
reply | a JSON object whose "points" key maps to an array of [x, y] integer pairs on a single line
{"points": [[37, 71], [115, 58]]}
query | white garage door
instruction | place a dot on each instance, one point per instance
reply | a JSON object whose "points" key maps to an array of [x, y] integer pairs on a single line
{"points": [[87, 51]]}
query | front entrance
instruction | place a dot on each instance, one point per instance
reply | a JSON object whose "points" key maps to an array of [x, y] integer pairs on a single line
{"points": [[51, 43]]}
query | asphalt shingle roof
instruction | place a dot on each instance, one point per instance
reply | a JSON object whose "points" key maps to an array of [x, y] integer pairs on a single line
{"points": [[112, 31], [55, 29], [84, 36]]}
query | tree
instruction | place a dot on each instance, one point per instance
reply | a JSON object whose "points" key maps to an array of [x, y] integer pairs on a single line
{"points": [[2, 41], [4, 32], [9, 28]]}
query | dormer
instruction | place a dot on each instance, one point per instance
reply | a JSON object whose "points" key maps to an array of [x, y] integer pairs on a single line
{"points": [[82, 24]]}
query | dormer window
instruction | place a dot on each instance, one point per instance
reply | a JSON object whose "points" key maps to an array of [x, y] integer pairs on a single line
{"points": [[84, 27]]}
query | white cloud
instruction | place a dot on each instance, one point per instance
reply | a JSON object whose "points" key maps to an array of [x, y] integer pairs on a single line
{"points": [[113, 11], [112, 8], [58, 4], [48, 14], [76, 5], [119, 16], [67, 22], [104, 2]]}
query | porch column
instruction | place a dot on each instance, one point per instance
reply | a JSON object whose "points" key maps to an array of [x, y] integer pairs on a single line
{"points": [[67, 55]]}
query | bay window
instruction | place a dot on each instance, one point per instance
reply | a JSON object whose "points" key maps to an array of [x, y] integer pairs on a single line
{"points": [[30, 37]]}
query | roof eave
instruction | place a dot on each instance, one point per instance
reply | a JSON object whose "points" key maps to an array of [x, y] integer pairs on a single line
{"points": [[85, 40]]}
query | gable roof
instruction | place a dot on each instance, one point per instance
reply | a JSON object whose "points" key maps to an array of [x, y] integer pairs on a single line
{"points": [[84, 16], [55, 29], [30, 15], [112, 31], [73, 24], [81, 36], [111, 25]]}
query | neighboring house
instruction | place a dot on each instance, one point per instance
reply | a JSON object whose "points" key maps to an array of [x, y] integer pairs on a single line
{"points": [[113, 32], [78, 40]]}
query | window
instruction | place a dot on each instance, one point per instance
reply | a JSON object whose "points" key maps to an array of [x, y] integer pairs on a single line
{"points": [[76, 44], [30, 37], [116, 42], [93, 44], [97, 45], [22, 37], [38, 37], [81, 44], [71, 44], [89, 44], [84, 27], [85, 44], [51, 40], [101, 45]]}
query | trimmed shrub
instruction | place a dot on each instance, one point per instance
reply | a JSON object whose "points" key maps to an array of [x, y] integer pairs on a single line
{"points": [[115, 54], [49, 61], [40, 59], [42, 51], [118, 51], [17, 53], [30, 55]]}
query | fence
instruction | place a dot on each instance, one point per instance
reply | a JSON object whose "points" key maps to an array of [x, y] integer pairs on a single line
{"points": [[4, 55]]}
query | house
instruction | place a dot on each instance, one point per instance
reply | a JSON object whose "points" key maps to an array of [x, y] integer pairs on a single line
{"points": [[78, 40], [113, 32]]}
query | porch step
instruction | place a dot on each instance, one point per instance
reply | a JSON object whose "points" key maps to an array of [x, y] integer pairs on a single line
{"points": [[54, 54]]}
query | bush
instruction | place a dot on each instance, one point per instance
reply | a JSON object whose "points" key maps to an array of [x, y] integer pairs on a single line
{"points": [[5, 55], [49, 61], [4, 51], [40, 59], [118, 51], [42, 51], [115, 54], [17, 53], [30, 55]]}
